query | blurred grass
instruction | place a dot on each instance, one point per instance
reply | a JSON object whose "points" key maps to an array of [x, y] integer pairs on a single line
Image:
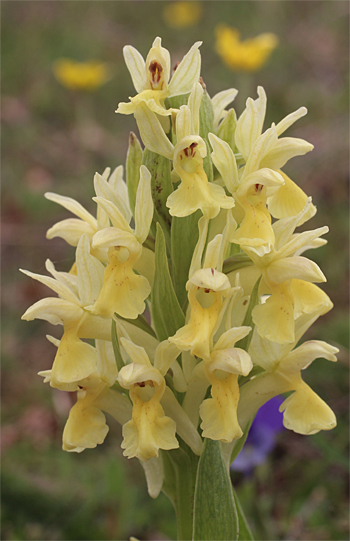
{"points": [[55, 140]]}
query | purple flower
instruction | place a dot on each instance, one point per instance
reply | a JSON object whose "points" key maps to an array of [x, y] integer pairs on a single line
{"points": [[262, 436]]}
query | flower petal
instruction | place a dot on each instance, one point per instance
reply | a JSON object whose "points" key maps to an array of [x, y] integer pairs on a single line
{"points": [[230, 337], [285, 149], [113, 236], [298, 267], [55, 311], [305, 412], [301, 357], [289, 200], [60, 288], [282, 126], [105, 190], [274, 319], [136, 353], [219, 413], [70, 230], [86, 426], [66, 278], [250, 123], [187, 72], [148, 431], [309, 299], [231, 360], [184, 123], [75, 362], [194, 103], [166, 354], [123, 291], [220, 102], [152, 133], [89, 271], [301, 241], [73, 206], [225, 162], [196, 262], [136, 66], [113, 212], [262, 146], [154, 473], [143, 206]]}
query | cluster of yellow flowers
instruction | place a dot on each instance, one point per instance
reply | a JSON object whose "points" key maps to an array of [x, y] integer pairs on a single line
{"points": [[194, 296], [182, 14], [247, 55], [83, 76]]}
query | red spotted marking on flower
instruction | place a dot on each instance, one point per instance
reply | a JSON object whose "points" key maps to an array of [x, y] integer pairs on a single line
{"points": [[144, 383], [156, 72], [190, 151]]}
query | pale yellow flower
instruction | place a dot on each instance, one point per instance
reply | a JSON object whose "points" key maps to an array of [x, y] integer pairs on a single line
{"points": [[219, 413], [108, 185], [248, 55], [123, 291], [283, 269], [259, 182], [112, 188], [151, 77], [182, 14], [207, 289], [150, 429], [87, 76], [76, 362], [209, 292], [222, 361], [195, 191], [304, 411], [86, 425], [287, 278]]}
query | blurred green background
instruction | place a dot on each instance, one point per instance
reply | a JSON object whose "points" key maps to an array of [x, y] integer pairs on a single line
{"points": [[54, 140]]}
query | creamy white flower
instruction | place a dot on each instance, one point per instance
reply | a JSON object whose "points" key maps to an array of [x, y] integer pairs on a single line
{"points": [[151, 77]]}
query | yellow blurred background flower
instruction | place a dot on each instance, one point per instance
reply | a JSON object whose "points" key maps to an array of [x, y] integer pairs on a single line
{"points": [[248, 55], [87, 76], [182, 14]]}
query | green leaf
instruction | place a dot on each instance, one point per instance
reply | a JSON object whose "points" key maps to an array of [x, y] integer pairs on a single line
{"points": [[233, 249], [206, 116], [215, 514], [184, 237], [149, 243], [245, 533], [176, 101], [236, 262], [116, 349], [255, 371], [166, 311], [206, 125], [180, 468], [161, 186], [248, 320], [142, 323], [227, 128], [240, 442], [133, 164]]}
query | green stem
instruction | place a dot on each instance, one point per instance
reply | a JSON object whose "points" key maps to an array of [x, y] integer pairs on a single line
{"points": [[180, 470]]}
